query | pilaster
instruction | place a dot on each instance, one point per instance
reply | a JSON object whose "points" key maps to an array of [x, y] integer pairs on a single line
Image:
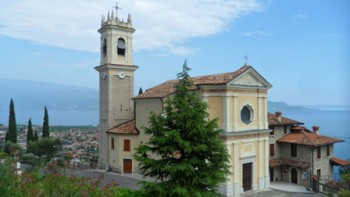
{"points": [[227, 114], [235, 113]]}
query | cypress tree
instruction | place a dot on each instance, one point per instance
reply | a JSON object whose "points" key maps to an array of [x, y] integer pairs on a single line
{"points": [[46, 132], [184, 151], [140, 91], [30, 134], [36, 137], [11, 134]]}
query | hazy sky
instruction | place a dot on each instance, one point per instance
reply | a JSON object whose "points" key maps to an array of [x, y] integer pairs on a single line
{"points": [[301, 47]]}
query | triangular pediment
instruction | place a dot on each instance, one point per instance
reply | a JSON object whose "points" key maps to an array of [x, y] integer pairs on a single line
{"points": [[250, 78]]}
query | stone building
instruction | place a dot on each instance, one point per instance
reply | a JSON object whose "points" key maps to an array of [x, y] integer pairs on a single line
{"points": [[298, 154]]}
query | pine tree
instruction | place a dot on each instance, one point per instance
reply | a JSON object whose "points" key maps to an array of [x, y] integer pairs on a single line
{"points": [[30, 134], [11, 134], [140, 91], [184, 151], [46, 132], [36, 137]]}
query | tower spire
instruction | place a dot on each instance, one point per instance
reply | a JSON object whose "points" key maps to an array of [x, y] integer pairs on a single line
{"points": [[116, 9]]}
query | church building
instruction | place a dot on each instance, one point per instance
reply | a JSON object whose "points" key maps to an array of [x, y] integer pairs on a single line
{"points": [[238, 99]]}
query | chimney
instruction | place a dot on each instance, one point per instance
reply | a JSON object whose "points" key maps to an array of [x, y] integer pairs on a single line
{"points": [[315, 129], [278, 116]]}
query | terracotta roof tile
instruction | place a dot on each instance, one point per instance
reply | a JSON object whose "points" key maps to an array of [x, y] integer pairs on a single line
{"points": [[300, 128], [288, 162], [307, 138], [273, 120], [167, 88], [339, 162], [128, 127]]}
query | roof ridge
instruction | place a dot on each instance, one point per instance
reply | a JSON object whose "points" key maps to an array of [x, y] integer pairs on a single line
{"points": [[244, 66], [304, 133]]}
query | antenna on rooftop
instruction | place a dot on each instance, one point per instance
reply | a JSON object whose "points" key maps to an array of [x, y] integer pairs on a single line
{"points": [[246, 59], [116, 9]]}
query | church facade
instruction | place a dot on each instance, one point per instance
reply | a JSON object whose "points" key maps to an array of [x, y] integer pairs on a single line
{"points": [[238, 99]]}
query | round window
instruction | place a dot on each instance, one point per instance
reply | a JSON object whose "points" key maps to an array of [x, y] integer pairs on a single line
{"points": [[247, 114]]}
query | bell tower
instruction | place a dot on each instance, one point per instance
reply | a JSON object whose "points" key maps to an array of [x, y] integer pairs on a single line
{"points": [[116, 76]]}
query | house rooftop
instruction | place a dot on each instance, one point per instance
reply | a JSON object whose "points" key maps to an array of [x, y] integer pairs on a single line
{"points": [[339, 162], [167, 88], [128, 128], [308, 138], [278, 119]]}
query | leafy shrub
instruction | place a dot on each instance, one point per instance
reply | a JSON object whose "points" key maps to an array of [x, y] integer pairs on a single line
{"points": [[11, 148], [344, 193], [33, 184], [45, 146]]}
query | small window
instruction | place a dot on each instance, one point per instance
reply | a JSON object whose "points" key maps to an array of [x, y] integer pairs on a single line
{"points": [[104, 47], [328, 149], [304, 176], [294, 150], [126, 145], [285, 129], [319, 174], [247, 114], [112, 143], [272, 150], [272, 128], [121, 46], [319, 152]]}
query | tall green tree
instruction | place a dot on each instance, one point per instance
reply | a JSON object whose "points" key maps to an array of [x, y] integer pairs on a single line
{"points": [[30, 134], [11, 134], [46, 131], [184, 151], [140, 91], [36, 137]]}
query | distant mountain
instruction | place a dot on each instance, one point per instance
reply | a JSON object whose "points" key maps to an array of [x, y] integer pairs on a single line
{"points": [[282, 106], [34, 95]]}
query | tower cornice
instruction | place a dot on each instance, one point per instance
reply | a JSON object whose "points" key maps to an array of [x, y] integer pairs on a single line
{"points": [[116, 25], [116, 66]]}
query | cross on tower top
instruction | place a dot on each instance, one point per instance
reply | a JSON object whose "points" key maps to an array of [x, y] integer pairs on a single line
{"points": [[116, 9]]}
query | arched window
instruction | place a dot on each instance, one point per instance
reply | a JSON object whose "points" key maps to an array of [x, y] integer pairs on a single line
{"points": [[121, 46], [104, 47], [247, 114]]}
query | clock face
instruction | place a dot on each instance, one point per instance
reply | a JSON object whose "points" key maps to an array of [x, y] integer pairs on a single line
{"points": [[121, 75]]}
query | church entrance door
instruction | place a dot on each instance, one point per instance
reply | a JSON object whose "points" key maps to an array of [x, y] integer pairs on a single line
{"points": [[247, 176]]}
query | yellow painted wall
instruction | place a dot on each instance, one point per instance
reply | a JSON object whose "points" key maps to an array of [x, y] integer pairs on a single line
{"points": [[118, 154], [248, 149], [215, 108]]}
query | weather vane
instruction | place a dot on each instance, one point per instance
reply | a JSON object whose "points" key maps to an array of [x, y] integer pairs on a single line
{"points": [[116, 9]]}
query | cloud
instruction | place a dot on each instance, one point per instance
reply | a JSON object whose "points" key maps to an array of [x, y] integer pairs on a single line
{"points": [[299, 16], [258, 33], [164, 25]]}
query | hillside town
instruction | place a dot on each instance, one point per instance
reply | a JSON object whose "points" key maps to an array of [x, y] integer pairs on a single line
{"points": [[205, 135], [81, 142]]}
